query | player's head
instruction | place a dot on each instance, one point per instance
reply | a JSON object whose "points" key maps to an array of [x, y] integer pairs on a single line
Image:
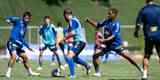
{"points": [[67, 14], [27, 16], [47, 19], [112, 13], [148, 1]]}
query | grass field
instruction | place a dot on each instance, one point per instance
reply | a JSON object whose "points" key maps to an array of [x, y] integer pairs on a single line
{"points": [[112, 70]]}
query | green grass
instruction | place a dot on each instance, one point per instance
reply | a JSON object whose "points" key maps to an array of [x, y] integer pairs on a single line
{"points": [[113, 70]]}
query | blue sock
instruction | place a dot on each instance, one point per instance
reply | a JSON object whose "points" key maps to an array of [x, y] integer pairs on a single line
{"points": [[53, 58], [71, 65], [80, 61]]}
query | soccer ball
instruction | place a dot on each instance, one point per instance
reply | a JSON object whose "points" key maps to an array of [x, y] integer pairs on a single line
{"points": [[55, 72]]}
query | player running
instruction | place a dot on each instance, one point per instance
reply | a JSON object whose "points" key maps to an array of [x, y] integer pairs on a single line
{"points": [[48, 35], [112, 39], [78, 44], [16, 42], [149, 17]]}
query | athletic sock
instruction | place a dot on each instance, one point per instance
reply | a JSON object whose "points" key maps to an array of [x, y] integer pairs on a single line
{"points": [[71, 65]]}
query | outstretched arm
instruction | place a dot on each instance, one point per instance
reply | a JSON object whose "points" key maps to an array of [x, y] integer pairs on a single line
{"points": [[92, 22]]}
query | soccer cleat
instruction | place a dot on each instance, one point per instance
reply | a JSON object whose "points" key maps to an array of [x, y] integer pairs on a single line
{"points": [[39, 68], [53, 64], [72, 77], [88, 69], [145, 76], [98, 74], [62, 67], [8, 75], [145, 79], [34, 74]]}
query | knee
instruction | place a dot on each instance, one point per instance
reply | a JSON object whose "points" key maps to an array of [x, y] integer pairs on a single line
{"points": [[95, 57]]}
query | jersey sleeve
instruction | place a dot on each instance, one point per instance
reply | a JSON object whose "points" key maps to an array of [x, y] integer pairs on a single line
{"points": [[100, 23], [116, 29], [139, 17], [11, 19]]}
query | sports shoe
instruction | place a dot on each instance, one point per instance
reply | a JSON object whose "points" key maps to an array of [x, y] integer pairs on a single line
{"points": [[88, 69], [34, 74], [39, 68], [98, 74]]}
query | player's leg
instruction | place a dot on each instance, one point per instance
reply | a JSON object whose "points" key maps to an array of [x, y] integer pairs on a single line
{"points": [[40, 61], [12, 59], [57, 57], [79, 46], [11, 63], [70, 62], [122, 53], [96, 63], [26, 64], [147, 55], [157, 45]]}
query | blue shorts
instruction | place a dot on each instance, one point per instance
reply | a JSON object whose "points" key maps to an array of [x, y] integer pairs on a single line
{"points": [[116, 48], [50, 47], [14, 46], [77, 47], [150, 43]]}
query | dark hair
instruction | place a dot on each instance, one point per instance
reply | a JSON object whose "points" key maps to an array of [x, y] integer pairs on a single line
{"points": [[67, 11], [47, 17], [147, 1], [114, 10], [27, 13]]}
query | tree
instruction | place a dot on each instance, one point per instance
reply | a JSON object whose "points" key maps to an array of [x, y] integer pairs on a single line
{"points": [[54, 2], [106, 3]]}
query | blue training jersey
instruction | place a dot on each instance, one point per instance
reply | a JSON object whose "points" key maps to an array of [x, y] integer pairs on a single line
{"points": [[149, 16], [18, 30], [48, 33], [111, 27], [76, 29]]}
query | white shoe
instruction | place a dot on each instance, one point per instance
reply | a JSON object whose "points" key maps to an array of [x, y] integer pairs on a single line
{"points": [[72, 77], [39, 68], [65, 65], [145, 76], [34, 74], [79, 66], [53, 64], [8, 75], [97, 74], [62, 67]]}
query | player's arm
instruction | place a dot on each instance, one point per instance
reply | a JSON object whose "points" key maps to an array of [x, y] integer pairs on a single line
{"points": [[11, 19], [92, 22], [115, 31], [138, 24], [26, 45]]}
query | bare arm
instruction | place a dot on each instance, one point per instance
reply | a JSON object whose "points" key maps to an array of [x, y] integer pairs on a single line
{"points": [[92, 22]]}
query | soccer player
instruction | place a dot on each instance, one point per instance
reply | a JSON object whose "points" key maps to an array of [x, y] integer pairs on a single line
{"points": [[78, 44], [16, 42], [48, 35], [149, 17], [112, 39]]}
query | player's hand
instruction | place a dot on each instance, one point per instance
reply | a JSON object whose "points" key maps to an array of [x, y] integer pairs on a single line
{"points": [[136, 35], [86, 19]]}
